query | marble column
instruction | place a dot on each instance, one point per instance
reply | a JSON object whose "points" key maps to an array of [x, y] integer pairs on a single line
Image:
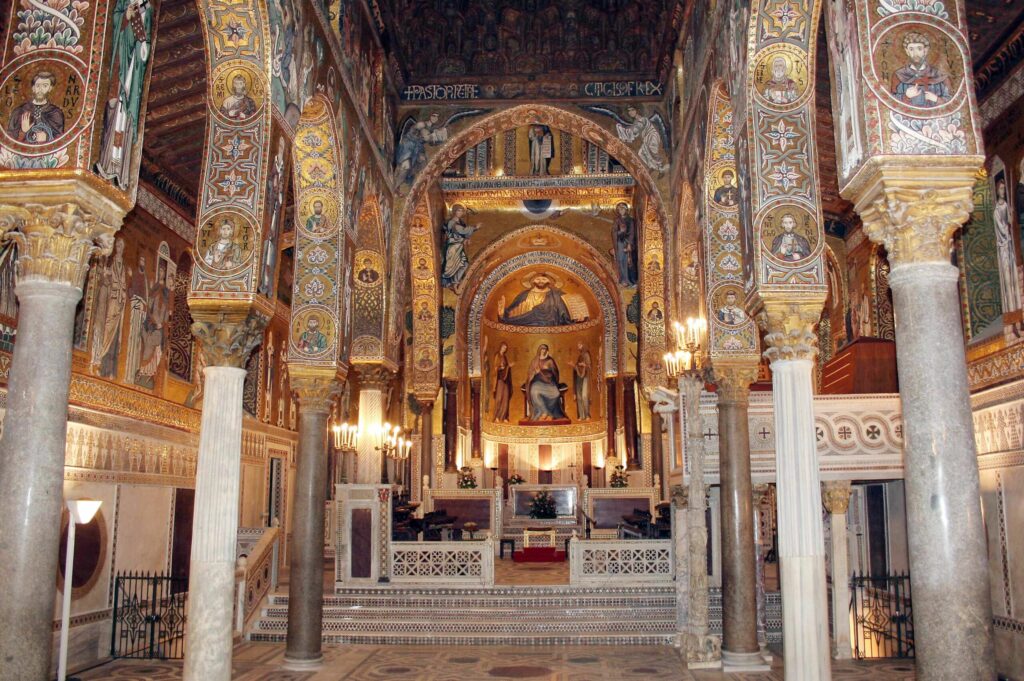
{"points": [[54, 247], [702, 649], [680, 534], [373, 382], [835, 497], [759, 498], [227, 341], [914, 210], [657, 447], [451, 426], [314, 394], [792, 345], [426, 441], [740, 650]]}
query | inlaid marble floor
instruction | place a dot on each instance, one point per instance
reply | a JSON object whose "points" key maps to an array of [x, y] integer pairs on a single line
{"points": [[263, 662]]}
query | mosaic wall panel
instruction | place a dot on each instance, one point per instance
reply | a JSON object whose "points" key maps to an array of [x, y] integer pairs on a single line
{"points": [[653, 302], [426, 364], [731, 330], [979, 266], [900, 84], [238, 137], [787, 225], [319, 240]]}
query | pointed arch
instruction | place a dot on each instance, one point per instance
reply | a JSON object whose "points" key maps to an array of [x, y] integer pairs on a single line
{"points": [[731, 331], [317, 290]]}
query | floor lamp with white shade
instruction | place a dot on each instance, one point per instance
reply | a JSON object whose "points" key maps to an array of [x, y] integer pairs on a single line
{"points": [[81, 512]]}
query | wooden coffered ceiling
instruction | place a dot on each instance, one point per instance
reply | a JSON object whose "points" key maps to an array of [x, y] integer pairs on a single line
{"points": [[172, 150]]}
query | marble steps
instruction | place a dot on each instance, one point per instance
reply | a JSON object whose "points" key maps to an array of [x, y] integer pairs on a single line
{"points": [[511, 615]]}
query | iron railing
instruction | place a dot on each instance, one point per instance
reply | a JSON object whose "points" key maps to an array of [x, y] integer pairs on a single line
{"points": [[883, 621], [149, 616]]}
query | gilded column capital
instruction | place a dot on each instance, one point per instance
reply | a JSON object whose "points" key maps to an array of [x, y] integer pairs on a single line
{"points": [[424, 402], [835, 496], [374, 376], [914, 206], [228, 336], [733, 380], [56, 241], [315, 391], [789, 328]]}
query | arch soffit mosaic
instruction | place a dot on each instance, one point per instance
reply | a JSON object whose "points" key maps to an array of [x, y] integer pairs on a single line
{"points": [[369, 292], [485, 274]]}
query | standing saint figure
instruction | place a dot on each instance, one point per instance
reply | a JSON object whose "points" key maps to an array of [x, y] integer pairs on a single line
{"points": [[275, 192], [581, 372], [542, 149], [151, 336], [456, 234], [132, 30], [920, 83], [502, 390], [110, 302], [1009, 284], [625, 245], [543, 391]]}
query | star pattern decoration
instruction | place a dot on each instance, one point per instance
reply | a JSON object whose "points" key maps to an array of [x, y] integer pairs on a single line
{"points": [[232, 183], [236, 147], [782, 135], [784, 176], [234, 31]]}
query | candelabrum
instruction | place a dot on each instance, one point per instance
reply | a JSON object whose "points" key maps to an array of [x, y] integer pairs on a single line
{"points": [[689, 367], [393, 445], [346, 440]]}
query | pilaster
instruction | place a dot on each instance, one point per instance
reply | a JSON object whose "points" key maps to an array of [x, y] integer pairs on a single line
{"points": [[835, 497]]}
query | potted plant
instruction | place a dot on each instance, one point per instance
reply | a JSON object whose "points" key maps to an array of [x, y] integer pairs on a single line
{"points": [[466, 478], [619, 478], [542, 505]]}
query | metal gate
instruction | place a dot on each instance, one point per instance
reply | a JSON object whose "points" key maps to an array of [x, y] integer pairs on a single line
{"points": [[883, 621], [149, 616]]}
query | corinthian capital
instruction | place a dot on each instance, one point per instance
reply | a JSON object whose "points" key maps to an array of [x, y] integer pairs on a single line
{"points": [[789, 329], [55, 242], [228, 336], [913, 206], [374, 376], [835, 496], [314, 390], [733, 380]]}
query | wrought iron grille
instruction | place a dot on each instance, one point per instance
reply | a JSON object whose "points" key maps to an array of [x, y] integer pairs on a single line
{"points": [[149, 616], [883, 620]]}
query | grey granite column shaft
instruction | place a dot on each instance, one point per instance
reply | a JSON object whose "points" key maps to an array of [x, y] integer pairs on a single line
{"points": [[208, 635], [946, 538], [427, 444], [32, 476], [306, 585], [739, 593]]}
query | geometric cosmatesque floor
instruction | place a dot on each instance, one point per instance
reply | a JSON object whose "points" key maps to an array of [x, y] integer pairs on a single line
{"points": [[263, 662]]}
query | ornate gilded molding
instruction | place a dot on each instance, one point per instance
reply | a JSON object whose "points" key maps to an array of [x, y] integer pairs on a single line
{"points": [[789, 329], [913, 206], [314, 392], [835, 496], [55, 242], [228, 336], [733, 380]]}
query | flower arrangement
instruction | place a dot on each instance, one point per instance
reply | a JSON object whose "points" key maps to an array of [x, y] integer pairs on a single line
{"points": [[542, 505], [619, 478], [466, 478], [516, 479]]}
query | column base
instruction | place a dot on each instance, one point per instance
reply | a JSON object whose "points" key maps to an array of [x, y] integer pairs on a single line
{"points": [[302, 664], [739, 663]]}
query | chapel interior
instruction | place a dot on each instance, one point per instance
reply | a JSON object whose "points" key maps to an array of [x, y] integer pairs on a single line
{"points": [[430, 339]]}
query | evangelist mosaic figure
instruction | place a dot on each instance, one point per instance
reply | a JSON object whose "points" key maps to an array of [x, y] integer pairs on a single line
{"points": [[37, 121]]}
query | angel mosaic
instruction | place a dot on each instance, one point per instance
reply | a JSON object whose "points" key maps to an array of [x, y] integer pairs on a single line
{"points": [[414, 136], [648, 132]]}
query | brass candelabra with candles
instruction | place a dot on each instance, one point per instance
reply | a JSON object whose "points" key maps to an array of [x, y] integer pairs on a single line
{"points": [[393, 445], [688, 359], [345, 438]]}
